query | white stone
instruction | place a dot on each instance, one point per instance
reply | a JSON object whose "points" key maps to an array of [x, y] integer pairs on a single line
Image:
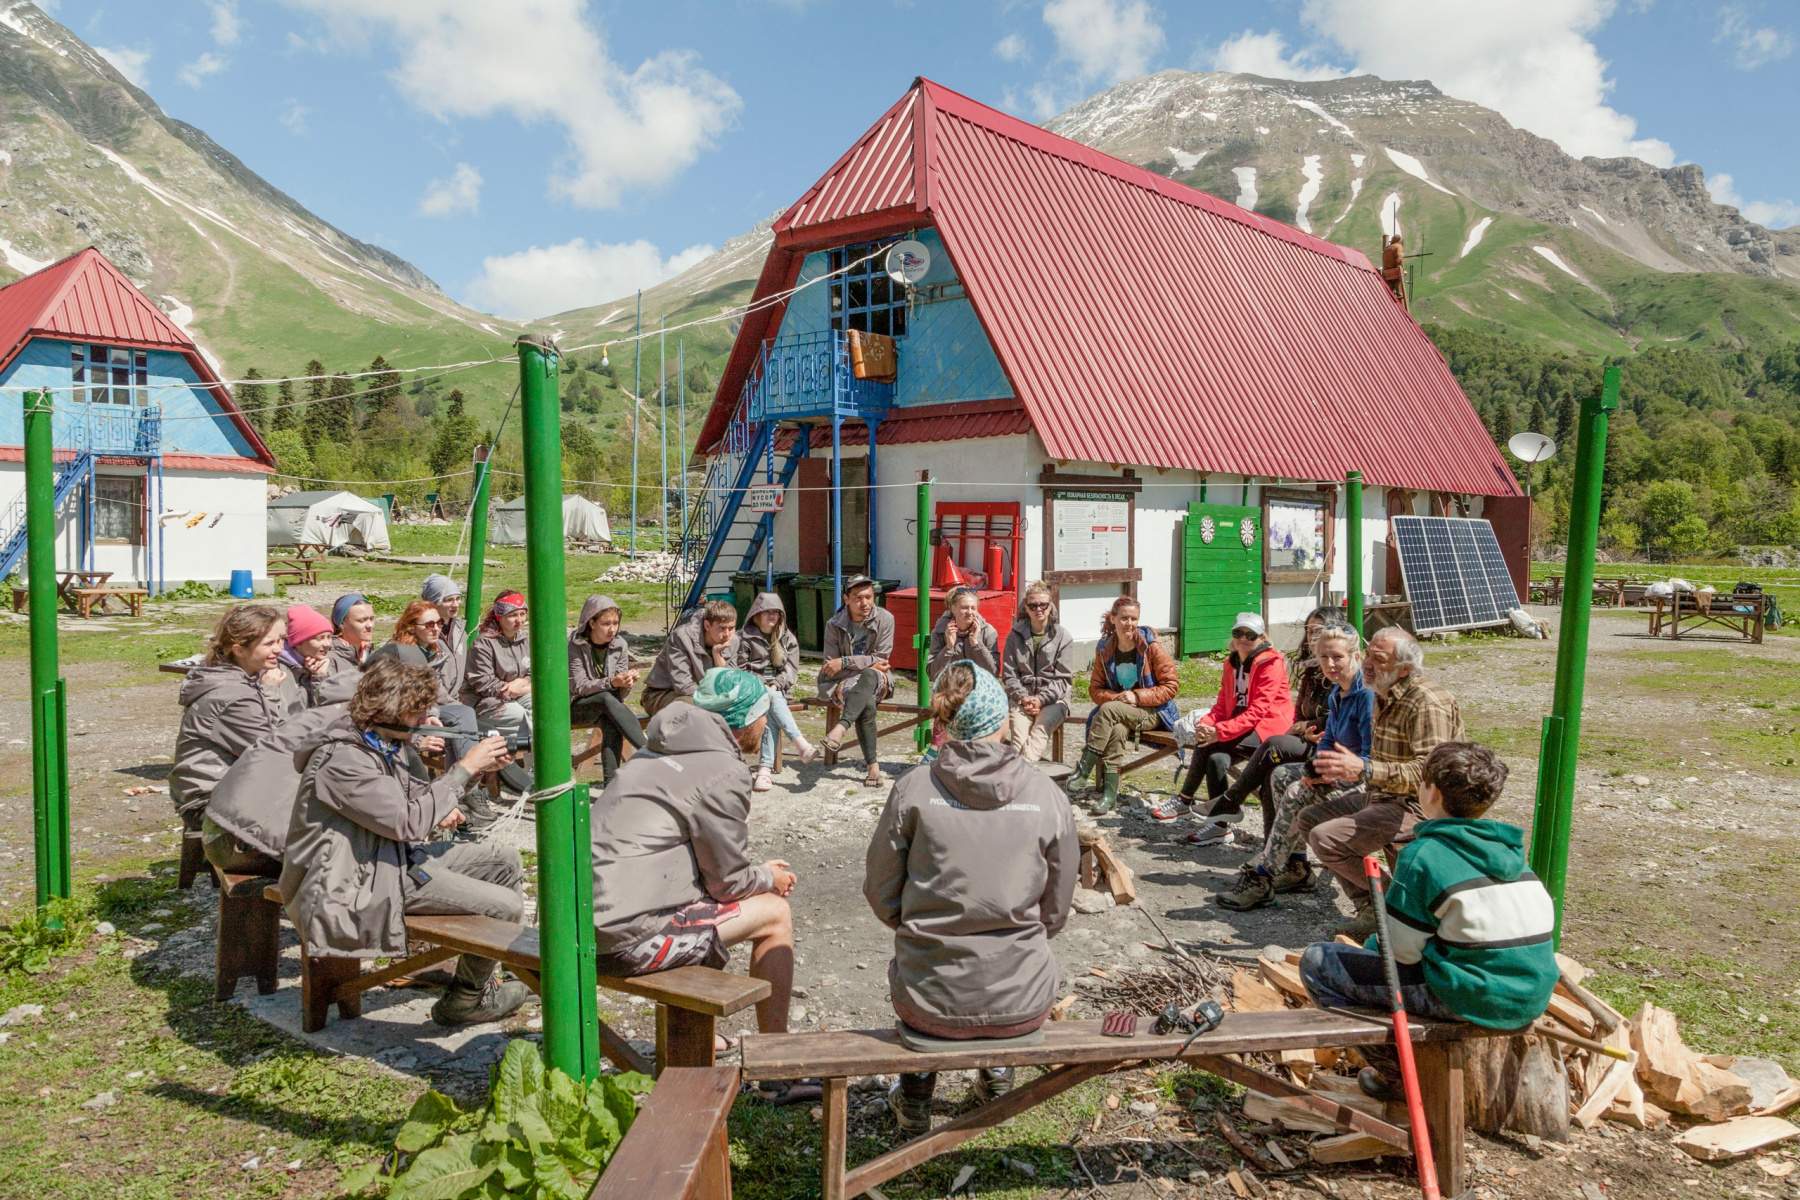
{"points": [[106, 929], [103, 1100], [17, 1014]]}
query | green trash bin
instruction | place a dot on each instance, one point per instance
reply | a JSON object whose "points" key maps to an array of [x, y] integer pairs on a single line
{"points": [[784, 587], [744, 586], [885, 588], [812, 608]]}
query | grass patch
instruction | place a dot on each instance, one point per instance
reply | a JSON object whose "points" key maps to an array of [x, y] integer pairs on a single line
{"points": [[1724, 1005]]}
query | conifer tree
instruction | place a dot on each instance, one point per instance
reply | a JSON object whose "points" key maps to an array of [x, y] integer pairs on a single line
{"points": [[284, 416], [1540, 417], [1505, 423], [383, 389], [253, 399], [454, 445], [313, 417]]}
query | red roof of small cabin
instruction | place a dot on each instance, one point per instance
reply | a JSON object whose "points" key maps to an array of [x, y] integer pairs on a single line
{"points": [[84, 297], [1141, 321]]}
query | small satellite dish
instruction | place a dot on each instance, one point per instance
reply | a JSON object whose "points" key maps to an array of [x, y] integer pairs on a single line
{"points": [[1531, 447], [908, 261]]}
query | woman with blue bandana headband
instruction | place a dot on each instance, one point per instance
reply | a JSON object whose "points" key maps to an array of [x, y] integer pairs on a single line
{"points": [[973, 865]]}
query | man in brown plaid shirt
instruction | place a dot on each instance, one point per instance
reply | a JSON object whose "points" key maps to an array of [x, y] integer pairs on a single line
{"points": [[1412, 715]]}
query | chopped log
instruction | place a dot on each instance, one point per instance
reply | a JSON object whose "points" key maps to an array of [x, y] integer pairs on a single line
{"points": [[1239, 1142], [1285, 977], [1516, 1083], [1598, 1066], [1568, 968], [1289, 1114], [1722, 1094], [1573, 1014], [1250, 994], [1352, 1147], [1060, 1010], [1678, 1079], [1118, 875], [1787, 1099], [1733, 1139], [1608, 1017], [1600, 1098], [1628, 1106]]}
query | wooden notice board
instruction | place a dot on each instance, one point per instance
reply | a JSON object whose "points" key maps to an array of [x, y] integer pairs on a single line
{"points": [[1090, 528]]}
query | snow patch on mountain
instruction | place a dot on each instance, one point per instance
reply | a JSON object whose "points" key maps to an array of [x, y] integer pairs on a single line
{"points": [[1310, 107], [1551, 258], [1309, 191], [1416, 169], [1184, 160], [1603, 220], [1357, 160], [1246, 177], [1475, 235], [24, 264]]}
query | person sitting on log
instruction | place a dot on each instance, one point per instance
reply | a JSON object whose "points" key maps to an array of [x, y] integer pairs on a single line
{"points": [[1472, 929], [857, 677], [353, 621], [1281, 866], [1132, 684], [359, 856], [704, 638], [769, 650], [1037, 670], [497, 682], [600, 681], [973, 865], [673, 882]]}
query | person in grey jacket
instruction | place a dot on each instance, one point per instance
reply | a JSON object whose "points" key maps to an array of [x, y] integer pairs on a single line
{"points": [[600, 681], [704, 638], [498, 680], [962, 632], [768, 649], [859, 640], [1038, 670], [245, 829], [447, 598], [358, 858], [353, 619], [973, 865], [237, 697]]}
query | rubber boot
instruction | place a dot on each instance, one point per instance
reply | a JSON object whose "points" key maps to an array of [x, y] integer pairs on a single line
{"points": [[1109, 791], [1083, 770]]}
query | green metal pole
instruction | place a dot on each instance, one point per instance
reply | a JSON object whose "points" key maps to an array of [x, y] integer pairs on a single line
{"points": [[1561, 741], [478, 535], [922, 639], [49, 734], [1353, 534], [571, 1029]]}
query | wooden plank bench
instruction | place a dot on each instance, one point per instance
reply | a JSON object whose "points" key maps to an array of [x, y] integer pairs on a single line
{"points": [[1075, 1051], [689, 1000], [85, 598], [249, 933], [595, 746], [676, 1148], [913, 714]]}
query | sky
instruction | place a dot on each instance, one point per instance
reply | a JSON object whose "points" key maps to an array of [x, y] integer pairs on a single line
{"points": [[538, 155]]}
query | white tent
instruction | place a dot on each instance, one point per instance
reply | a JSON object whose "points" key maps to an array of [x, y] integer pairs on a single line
{"points": [[327, 519], [583, 521]]}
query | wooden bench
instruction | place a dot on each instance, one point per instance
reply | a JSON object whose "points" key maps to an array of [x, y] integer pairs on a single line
{"points": [[85, 598], [249, 933], [1742, 613], [1075, 1051], [676, 1148], [595, 746], [915, 716], [689, 1000], [304, 570]]}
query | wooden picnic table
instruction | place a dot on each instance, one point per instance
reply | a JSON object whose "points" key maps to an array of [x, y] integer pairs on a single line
{"points": [[64, 581], [1741, 613], [86, 598], [302, 567]]}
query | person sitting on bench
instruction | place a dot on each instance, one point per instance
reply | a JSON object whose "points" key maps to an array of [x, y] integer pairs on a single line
{"points": [[600, 681], [245, 829], [673, 882], [421, 626], [358, 858], [1472, 929], [1132, 684], [704, 638], [962, 632], [856, 676], [498, 680], [973, 865], [1254, 711], [447, 598], [769, 650], [353, 619], [307, 657], [1037, 670]]}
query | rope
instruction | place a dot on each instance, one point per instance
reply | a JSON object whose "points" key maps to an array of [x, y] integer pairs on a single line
{"points": [[507, 820]]}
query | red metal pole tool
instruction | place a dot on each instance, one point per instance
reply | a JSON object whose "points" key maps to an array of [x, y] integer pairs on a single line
{"points": [[1409, 1073]]}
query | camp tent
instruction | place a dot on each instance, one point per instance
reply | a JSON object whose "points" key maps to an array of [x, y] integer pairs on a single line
{"points": [[583, 521], [327, 519]]}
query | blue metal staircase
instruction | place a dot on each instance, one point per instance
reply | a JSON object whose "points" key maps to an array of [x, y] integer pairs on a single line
{"points": [[71, 473]]}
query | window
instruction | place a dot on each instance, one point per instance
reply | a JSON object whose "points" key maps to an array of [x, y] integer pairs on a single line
{"points": [[864, 297], [119, 509], [110, 375]]}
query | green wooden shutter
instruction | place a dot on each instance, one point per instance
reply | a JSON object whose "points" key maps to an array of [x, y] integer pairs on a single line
{"points": [[1221, 574]]}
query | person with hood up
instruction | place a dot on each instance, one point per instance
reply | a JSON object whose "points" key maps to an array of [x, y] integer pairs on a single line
{"points": [[498, 680], [233, 700], [307, 657], [1132, 684], [445, 596], [358, 856], [673, 882], [856, 675], [245, 829], [704, 638], [353, 620], [1254, 706], [973, 865], [1037, 669], [600, 680], [1472, 929], [768, 649]]}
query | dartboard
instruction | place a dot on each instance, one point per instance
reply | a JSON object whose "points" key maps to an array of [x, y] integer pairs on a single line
{"points": [[1247, 531], [1207, 529]]}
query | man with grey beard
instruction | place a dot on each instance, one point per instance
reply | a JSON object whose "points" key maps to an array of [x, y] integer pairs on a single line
{"points": [[1412, 715]]}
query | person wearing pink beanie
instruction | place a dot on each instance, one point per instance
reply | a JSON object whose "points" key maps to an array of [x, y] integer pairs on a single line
{"points": [[307, 655]]}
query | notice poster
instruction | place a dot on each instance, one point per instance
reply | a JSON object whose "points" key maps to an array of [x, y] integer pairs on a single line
{"points": [[1091, 531]]}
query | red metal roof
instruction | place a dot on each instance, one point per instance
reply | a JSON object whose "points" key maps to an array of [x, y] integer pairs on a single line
{"points": [[1141, 321], [85, 297]]}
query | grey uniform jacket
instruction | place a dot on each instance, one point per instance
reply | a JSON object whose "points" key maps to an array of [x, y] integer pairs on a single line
{"points": [[973, 865], [583, 679], [684, 658], [983, 649], [753, 647], [224, 713], [672, 827], [336, 686], [493, 663], [876, 642], [254, 802], [343, 657], [450, 668], [346, 848], [1048, 673]]}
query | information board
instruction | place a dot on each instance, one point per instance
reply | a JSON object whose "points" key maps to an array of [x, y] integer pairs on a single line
{"points": [[1091, 531], [765, 497]]}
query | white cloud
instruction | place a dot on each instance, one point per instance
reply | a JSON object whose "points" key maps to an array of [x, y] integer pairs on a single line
{"points": [[1107, 40], [295, 118], [1776, 214], [1532, 60], [225, 27], [1252, 53], [551, 279], [545, 60], [207, 64], [460, 193], [127, 62], [1754, 47], [1012, 48]]}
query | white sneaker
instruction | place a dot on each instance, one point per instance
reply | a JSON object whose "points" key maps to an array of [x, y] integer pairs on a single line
{"points": [[764, 780], [804, 750]]}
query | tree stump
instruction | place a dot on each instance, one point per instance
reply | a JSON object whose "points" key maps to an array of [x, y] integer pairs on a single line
{"points": [[1515, 1083]]}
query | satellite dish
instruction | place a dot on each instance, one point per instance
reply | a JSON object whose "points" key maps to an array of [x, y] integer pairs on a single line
{"points": [[908, 261], [1531, 447]]}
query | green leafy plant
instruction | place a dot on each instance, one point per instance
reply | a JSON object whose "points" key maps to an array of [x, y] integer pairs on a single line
{"points": [[193, 589], [543, 1136], [29, 943]]}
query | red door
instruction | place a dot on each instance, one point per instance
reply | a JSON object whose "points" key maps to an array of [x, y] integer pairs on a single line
{"points": [[815, 516]]}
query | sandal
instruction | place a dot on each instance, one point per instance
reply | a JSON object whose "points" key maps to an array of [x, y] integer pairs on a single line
{"points": [[731, 1045], [833, 741], [873, 777]]}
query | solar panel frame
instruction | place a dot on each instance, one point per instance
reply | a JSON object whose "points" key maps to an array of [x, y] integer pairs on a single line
{"points": [[1454, 573]]}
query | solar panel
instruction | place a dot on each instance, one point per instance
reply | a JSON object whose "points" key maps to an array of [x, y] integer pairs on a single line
{"points": [[1455, 575]]}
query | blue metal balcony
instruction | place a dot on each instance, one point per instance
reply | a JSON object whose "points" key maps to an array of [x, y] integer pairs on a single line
{"points": [[809, 375], [109, 428]]}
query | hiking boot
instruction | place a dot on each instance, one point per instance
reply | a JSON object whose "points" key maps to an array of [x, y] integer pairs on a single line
{"points": [[911, 1114], [1109, 791], [466, 1004], [1209, 834], [765, 780], [1174, 808], [992, 1082], [1377, 1085], [1252, 890], [1297, 876], [476, 806], [1084, 769], [1362, 925]]}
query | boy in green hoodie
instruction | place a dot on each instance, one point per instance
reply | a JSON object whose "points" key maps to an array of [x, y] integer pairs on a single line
{"points": [[1472, 928]]}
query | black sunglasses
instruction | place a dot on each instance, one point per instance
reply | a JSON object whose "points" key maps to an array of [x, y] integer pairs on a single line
{"points": [[1040, 606], [1245, 634]]}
